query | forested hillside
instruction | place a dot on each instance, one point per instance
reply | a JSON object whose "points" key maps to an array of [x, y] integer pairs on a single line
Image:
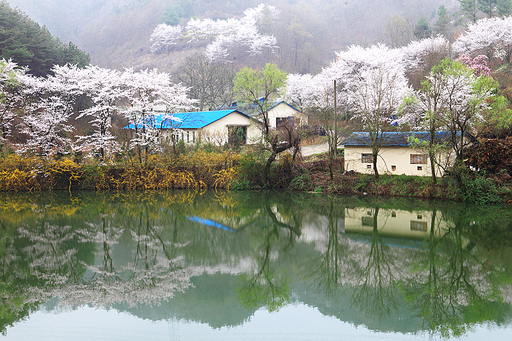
{"points": [[28, 44], [117, 33]]}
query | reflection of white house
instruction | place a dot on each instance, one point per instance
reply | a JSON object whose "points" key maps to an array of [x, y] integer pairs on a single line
{"points": [[283, 112], [393, 223], [219, 127], [396, 155]]}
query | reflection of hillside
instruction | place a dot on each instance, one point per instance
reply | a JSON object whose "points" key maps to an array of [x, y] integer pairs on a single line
{"points": [[212, 300]]}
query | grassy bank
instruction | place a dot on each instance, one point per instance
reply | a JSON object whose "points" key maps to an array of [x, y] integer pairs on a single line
{"points": [[229, 170], [466, 186]]}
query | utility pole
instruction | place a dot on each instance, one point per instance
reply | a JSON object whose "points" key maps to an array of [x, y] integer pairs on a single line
{"points": [[335, 124]]}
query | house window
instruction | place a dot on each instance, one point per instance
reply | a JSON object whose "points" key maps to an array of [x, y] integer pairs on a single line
{"points": [[366, 158], [193, 136], [419, 216], [367, 221], [418, 159], [237, 135], [393, 214], [393, 168], [418, 225], [285, 120], [188, 137], [419, 168], [369, 166]]}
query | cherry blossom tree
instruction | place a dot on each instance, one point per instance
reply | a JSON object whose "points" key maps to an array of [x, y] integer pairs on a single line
{"points": [[478, 64], [372, 84], [223, 34], [165, 36], [9, 97], [147, 91], [466, 97], [490, 36], [45, 122], [104, 89]]}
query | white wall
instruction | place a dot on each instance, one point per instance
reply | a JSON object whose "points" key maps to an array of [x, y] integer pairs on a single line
{"points": [[389, 157], [395, 223], [283, 110]]}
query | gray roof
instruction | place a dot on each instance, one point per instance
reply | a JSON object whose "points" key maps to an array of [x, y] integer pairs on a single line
{"points": [[395, 139]]}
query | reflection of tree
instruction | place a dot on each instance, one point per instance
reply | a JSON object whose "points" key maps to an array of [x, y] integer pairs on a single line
{"points": [[452, 289], [267, 286], [327, 270], [378, 279]]}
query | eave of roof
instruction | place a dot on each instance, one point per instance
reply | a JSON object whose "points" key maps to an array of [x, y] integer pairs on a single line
{"points": [[395, 139]]}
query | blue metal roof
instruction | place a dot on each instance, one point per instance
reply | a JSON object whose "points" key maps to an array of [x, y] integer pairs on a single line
{"points": [[395, 139], [189, 120], [288, 104]]}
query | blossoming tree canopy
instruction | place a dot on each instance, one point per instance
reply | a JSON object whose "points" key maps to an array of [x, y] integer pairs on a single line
{"points": [[223, 34], [489, 36]]}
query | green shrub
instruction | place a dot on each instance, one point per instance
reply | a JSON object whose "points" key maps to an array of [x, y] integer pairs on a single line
{"points": [[478, 189]]}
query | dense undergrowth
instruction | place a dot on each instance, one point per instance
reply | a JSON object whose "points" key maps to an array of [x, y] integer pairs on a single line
{"points": [[230, 170]]}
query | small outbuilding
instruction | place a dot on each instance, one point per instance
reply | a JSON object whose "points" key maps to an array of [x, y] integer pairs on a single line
{"points": [[399, 153], [283, 112]]}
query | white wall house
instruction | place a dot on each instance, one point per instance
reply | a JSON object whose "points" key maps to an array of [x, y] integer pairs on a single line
{"points": [[218, 127], [396, 156], [284, 112]]}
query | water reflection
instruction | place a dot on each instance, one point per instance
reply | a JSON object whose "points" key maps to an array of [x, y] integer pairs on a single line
{"points": [[216, 257]]}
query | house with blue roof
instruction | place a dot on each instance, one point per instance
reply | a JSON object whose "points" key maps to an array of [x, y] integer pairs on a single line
{"points": [[398, 153], [218, 127]]}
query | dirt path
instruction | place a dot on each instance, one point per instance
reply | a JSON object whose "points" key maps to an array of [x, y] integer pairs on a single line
{"points": [[314, 149]]}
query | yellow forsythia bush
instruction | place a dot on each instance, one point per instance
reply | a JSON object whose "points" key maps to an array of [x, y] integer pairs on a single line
{"points": [[200, 170]]}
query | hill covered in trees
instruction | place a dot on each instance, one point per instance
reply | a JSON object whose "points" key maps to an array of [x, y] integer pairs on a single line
{"points": [[117, 33], [28, 44]]}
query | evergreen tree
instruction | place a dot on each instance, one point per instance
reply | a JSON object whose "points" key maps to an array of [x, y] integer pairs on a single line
{"points": [[469, 9], [487, 6], [422, 29], [27, 44], [504, 7], [443, 20]]}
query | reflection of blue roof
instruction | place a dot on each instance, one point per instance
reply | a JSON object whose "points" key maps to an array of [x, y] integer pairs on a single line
{"points": [[188, 120], [396, 139], [210, 223]]}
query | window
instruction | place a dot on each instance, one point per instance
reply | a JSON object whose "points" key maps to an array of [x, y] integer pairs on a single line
{"points": [[393, 168], [188, 137], [393, 214], [369, 166], [193, 136], [418, 225], [237, 135], [419, 168], [366, 158], [418, 159], [367, 221], [284, 120]]}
